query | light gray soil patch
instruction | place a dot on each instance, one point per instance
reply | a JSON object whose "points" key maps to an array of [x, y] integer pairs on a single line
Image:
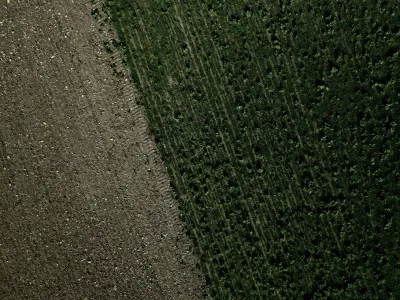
{"points": [[85, 206]]}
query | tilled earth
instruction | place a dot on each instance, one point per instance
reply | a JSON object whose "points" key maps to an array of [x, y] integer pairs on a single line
{"points": [[85, 206]]}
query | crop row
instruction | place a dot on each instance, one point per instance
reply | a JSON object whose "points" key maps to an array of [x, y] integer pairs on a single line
{"points": [[278, 124]]}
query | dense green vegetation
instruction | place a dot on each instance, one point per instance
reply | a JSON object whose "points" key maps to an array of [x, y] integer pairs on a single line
{"points": [[278, 122]]}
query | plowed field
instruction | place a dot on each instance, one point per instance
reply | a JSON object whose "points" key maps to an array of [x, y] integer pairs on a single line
{"points": [[85, 206]]}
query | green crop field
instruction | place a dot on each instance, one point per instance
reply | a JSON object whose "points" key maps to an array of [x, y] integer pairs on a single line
{"points": [[278, 122]]}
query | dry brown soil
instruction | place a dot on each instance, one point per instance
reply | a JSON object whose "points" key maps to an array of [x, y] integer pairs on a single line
{"points": [[85, 206]]}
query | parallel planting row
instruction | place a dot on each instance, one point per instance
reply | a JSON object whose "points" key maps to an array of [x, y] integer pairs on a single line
{"points": [[278, 122]]}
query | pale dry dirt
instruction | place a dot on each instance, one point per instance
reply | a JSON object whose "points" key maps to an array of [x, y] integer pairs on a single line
{"points": [[85, 205]]}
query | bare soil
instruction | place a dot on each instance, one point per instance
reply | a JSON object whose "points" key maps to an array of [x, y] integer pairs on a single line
{"points": [[85, 206]]}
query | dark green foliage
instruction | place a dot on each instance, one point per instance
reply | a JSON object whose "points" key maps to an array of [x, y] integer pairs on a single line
{"points": [[279, 124]]}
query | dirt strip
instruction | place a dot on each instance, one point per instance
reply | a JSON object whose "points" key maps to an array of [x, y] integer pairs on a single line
{"points": [[85, 205]]}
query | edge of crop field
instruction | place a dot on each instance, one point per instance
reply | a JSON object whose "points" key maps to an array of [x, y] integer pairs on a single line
{"points": [[130, 95]]}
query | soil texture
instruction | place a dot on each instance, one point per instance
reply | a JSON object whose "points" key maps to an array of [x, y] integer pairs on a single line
{"points": [[85, 205]]}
